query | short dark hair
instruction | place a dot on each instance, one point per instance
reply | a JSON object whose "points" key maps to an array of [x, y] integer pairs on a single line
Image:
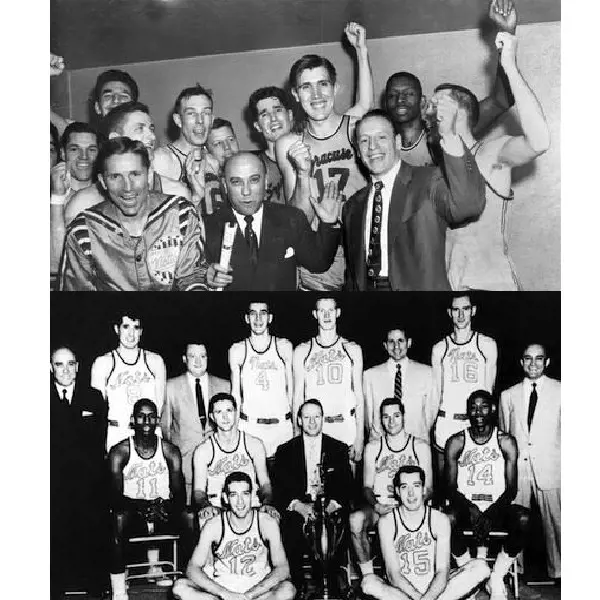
{"points": [[408, 470], [326, 298], [311, 61], [399, 327], [219, 398], [219, 122], [258, 302], [144, 402], [55, 349], [375, 112], [534, 343], [404, 75], [115, 75], [484, 395], [465, 98], [119, 146], [76, 127], [312, 401], [54, 136], [188, 92], [391, 402], [456, 295], [131, 314], [235, 476], [113, 121], [268, 92]]}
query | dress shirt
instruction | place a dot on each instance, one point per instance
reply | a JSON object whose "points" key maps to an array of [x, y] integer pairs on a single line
{"points": [[69, 389], [203, 386], [392, 365], [312, 454], [386, 197], [256, 223], [528, 388]]}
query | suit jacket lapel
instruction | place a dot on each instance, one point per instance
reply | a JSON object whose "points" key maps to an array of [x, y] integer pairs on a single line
{"points": [[356, 241], [303, 463], [402, 205]]}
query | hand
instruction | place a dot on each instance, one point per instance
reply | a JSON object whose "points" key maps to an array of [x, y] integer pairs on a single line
{"points": [[271, 511], [330, 206], [218, 276], [59, 180], [507, 43], [482, 528], [504, 14], [300, 157], [306, 510], [356, 35], [208, 512], [195, 169], [446, 113], [355, 452], [57, 64], [234, 596], [474, 514], [383, 509]]}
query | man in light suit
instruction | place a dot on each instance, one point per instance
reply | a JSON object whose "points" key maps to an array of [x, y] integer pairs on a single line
{"points": [[271, 240], [530, 411], [394, 230], [399, 377], [184, 417]]}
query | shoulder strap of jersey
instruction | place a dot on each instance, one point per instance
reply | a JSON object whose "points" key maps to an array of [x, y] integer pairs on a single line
{"points": [[381, 441], [260, 534], [114, 364], [146, 363]]}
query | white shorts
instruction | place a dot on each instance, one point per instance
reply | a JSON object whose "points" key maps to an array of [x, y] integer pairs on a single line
{"points": [[272, 435], [342, 428], [445, 427]]}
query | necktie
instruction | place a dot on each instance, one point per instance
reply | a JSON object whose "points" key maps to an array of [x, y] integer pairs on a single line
{"points": [[200, 403], [398, 383], [251, 240], [64, 400], [532, 402], [374, 258]]}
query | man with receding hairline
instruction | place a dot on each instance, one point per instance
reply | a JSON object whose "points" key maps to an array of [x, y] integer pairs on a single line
{"points": [[271, 240]]}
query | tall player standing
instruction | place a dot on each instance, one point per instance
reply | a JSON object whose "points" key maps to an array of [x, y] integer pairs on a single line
{"points": [[323, 152], [125, 375], [261, 380], [462, 362], [329, 368]]}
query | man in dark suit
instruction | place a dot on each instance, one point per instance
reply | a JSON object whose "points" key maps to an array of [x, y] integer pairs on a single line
{"points": [[394, 230], [309, 465], [271, 240], [78, 420], [184, 417]]}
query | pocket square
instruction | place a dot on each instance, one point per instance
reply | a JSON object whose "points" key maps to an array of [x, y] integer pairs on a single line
{"points": [[289, 252], [87, 413]]}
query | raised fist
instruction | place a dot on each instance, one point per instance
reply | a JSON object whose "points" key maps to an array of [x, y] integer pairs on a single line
{"points": [[300, 157], [446, 113], [504, 14], [57, 64], [59, 180], [357, 35]]}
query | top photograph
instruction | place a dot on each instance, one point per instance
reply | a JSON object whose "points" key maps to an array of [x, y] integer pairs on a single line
{"points": [[310, 145]]}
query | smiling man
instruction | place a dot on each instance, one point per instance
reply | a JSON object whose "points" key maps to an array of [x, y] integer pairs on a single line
{"points": [[137, 240]]}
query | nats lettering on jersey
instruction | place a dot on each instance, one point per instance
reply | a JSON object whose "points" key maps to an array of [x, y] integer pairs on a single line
{"points": [[409, 542], [323, 357], [238, 547], [334, 155], [476, 457], [142, 472], [392, 463], [132, 381], [459, 354], [255, 362], [228, 464]]}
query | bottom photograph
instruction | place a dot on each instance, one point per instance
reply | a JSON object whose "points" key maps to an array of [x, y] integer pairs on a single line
{"points": [[305, 446]]}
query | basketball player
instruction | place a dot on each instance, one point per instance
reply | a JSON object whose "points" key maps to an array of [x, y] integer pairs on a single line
{"points": [[228, 450], [186, 160], [148, 491], [240, 555], [462, 362], [261, 380], [329, 367], [415, 543], [383, 457], [131, 120], [477, 254], [323, 152], [481, 474], [125, 375], [272, 116]]}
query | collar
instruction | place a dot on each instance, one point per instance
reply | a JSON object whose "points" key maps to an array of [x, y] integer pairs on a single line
{"points": [[242, 223], [389, 177], [391, 363], [539, 383], [192, 379], [312, 441], [69, 388]]}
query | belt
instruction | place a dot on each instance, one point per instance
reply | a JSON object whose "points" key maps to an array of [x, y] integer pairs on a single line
{"points": [[337, 418], [113, 422], [379, 283], [266, 420], [457, 416]]}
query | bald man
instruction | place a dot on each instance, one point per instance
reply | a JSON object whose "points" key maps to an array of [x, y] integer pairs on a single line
{"points": [[271, 240]]}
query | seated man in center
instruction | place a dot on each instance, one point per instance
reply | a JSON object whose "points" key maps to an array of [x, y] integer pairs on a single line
{"points": [[271, 239]]}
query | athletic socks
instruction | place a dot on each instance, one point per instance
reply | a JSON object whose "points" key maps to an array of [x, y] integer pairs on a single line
{"points": [[366, 568], [117, 584], [463, 559]]}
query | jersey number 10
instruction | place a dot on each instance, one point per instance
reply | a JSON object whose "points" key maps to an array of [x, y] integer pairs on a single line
{"points": [[333, 372]]}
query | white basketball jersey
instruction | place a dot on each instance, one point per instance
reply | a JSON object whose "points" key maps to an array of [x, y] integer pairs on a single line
{"points": [[415, 550], [463, 372], [146, 478], [387, 463], [263, 382], [223, 463], [241, 559], [481, 470]]}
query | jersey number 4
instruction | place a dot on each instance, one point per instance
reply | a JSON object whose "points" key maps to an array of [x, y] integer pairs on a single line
{"points": [[333, 172], [486, 475], [262, 381]]}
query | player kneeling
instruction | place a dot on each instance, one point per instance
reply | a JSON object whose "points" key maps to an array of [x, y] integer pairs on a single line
{"points": [[415, 543], [239, 555]]}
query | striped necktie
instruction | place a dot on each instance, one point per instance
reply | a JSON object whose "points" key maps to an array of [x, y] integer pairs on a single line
{"points": [[398, 383]]}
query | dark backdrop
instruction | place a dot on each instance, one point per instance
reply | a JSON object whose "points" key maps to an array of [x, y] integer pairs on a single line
{"points": [[83, 320]]}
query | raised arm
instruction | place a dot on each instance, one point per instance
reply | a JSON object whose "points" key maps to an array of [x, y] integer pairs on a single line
{"points": [[357, 37], [57, 66], [535, 140], [59, 188]]}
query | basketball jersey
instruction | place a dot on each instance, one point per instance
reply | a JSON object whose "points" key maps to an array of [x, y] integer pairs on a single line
{"points": [[125, 385], [263, 382], [333, 159], [463, 372], [415, 549], [417, 155], [214, 194], [146, 478], [240, 560], [180, 157], [328, 377], [387, 463], [223, 463], [481, 470], [273, 181]]}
